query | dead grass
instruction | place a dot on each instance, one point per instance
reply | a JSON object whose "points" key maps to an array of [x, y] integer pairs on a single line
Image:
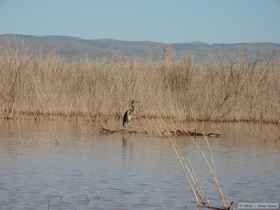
{"points": [[233, 90]]}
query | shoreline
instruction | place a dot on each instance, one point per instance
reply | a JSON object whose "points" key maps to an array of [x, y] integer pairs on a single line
{"points": [[143, 126], [105, 117], [53, 126]]}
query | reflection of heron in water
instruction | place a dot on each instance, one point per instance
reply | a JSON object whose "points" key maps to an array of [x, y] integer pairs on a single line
{"points": [[124, 152], [128, 114], [124, 142]]}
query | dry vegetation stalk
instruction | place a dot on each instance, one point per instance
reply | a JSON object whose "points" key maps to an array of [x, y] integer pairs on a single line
{"points": [[189, 175], [192, 179], [212, 170]]}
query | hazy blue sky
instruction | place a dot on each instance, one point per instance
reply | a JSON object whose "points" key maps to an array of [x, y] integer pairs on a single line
{"points": [[155, 20]]}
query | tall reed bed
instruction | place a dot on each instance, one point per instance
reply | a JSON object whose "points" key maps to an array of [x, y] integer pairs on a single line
{"points": [[232, 90]]}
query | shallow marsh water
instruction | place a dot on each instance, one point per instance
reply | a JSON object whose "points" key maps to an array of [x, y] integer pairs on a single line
{"points": [[61, 165]]}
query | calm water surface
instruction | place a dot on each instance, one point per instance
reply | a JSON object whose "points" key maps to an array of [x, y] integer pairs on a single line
{"points": [[65, 166]]}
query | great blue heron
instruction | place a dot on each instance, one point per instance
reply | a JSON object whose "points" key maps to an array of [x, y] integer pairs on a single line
{"points": [[128, 114]]}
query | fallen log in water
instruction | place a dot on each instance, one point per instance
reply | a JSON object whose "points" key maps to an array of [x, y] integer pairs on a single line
{"points": [[187, 132], [166, 133], [106, 131]]}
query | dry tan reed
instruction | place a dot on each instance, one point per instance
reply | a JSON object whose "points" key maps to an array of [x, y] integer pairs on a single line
{"points": [[239, 90]]}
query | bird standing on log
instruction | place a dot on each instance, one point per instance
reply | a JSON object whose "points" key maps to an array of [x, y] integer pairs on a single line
{"points": [[128, 114]]}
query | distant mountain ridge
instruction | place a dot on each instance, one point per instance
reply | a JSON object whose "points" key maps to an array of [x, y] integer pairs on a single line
{"points": [[75, 48]]}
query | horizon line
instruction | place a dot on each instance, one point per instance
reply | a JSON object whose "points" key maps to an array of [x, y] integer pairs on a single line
{"points": [[156, 42]]}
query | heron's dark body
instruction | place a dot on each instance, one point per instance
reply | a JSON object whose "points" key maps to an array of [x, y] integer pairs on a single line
{"points": [[128, 114], [125, 118]]}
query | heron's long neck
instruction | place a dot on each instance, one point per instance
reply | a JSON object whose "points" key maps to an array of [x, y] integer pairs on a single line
{"points": [[132, 108]]}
